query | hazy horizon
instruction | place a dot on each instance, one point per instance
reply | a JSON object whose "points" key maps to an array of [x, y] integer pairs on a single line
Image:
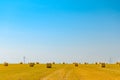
{"points": [[63, 30]]}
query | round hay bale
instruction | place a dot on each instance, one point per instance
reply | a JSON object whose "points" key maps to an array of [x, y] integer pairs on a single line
{"points": [[85, 63], [118, 63], [63, 62], [49, 65], [37, 63], [53, 62], [31, 64], [5, 64], [76, 64], [103, 65], [96, 63], [21, 62]]}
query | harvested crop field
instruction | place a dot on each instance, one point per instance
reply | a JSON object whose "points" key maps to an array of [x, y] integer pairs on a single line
{"points": [[59, 72]]}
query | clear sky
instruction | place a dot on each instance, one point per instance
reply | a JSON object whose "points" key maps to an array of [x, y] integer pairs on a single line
{"points": [[60, 30]]}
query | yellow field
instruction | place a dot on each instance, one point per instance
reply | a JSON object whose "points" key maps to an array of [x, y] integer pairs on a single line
{"points": [[59, 72]]}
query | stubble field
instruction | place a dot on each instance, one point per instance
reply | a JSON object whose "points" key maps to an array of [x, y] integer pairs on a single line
{"points": [[60, 72]]}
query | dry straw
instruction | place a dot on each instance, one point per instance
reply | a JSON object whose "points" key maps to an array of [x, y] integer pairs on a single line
{"points": [[96, 63], [103, 65], [21, 62], [118, 63], [37, 63], [31, 64], [53, 62], [63, 62], [5, 64], [85, 63], [49, 65], [76, 64]]}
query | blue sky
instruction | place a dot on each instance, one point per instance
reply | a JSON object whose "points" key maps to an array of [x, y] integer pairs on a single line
{"points": [[59, 30]]}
